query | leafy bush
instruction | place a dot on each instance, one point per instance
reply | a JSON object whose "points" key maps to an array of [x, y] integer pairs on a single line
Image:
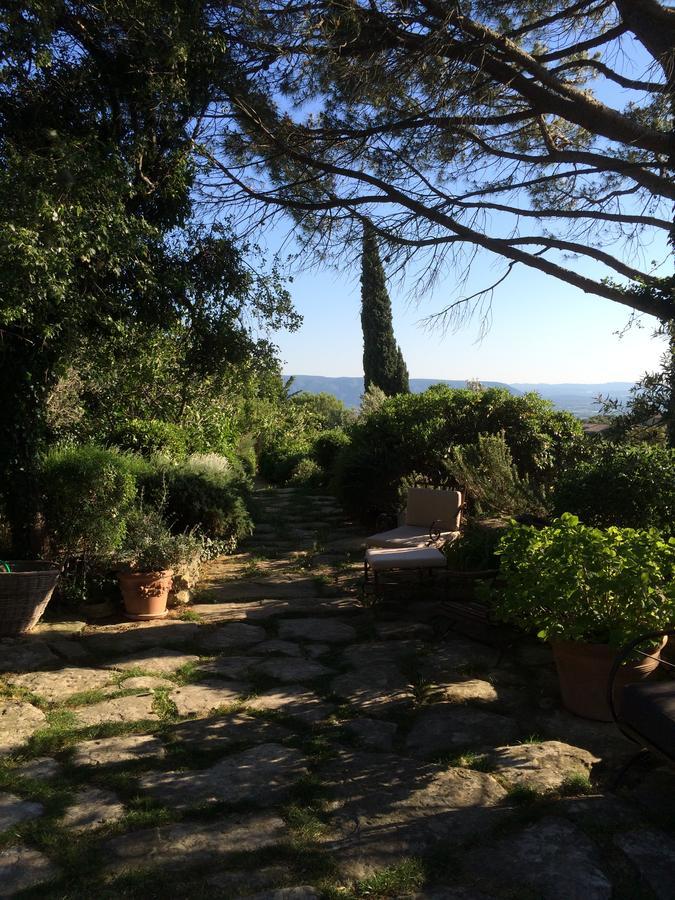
{"points": [[327, 445], [626, 486], [494, 487], [88, 493], [206, 493], [308, 474], [573, 582], [149, 545], [414, 433], [149, 436], [475, 550]]}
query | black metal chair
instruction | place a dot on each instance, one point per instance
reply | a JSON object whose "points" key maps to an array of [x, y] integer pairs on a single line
{"points": [[645, 710]]}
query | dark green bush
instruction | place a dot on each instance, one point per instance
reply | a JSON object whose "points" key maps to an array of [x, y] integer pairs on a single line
{"points": [[88, 493], [205, 493], [149, 436], [412, 433], [276, 463], [628, 486], [475, 550], [327, 445]]}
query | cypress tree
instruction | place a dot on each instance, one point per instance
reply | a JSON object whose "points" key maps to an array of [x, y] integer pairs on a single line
{"points": [[383, 363]]}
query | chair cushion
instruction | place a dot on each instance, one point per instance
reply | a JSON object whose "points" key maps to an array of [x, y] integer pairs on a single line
{"points": [[407, 536], [648, 707], [427, 505], [406, 558]]}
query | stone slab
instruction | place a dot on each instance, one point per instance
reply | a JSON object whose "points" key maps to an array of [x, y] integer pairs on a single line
{"points": [[113, 639], [653, 853], [294, 701], [327, 631], [446, 728], [92, 808], [146, 683], [113, 750], [472, 691], [171, 847], [386, 808], [292, 671], [18, 721], [543, 766], [376, 691], [456, 653], [60, 684], [398, 630], [372, 733], [225, 733], [378, 653], [25, 657], [278, 648], [300, 892], [261, 776], [552, 857], [41, 769], [121, 709], [232, 636], [72, 650], [14, 810], [233, 667], [22, 868], [200, 699], [154, 659]]}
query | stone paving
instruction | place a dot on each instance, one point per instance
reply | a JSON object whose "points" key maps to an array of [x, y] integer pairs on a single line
{"points": [[289, 741]]}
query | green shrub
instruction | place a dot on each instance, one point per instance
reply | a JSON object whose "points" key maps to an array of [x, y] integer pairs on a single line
{"points": [[475, 550], [486, 473], [573, 582], [149, 545], [307, 474], [87, 493], [326, 447], [414, 433], [150, 436], [205, 493], [622, 485], [276, 463]]}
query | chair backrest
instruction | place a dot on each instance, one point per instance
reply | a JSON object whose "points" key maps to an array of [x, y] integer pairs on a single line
{"points": [[427, 505]]}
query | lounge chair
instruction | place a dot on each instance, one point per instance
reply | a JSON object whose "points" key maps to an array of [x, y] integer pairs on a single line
{"points": [[432, 518]]}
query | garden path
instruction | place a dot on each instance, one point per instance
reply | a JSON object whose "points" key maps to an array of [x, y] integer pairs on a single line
{"points": [[281, 740]]}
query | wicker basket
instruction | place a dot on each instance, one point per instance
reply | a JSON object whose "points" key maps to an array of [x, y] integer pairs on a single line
{"points": [[25, 593]]}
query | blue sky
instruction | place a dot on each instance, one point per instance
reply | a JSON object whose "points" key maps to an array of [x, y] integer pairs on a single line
{"points": [[542, 330]]}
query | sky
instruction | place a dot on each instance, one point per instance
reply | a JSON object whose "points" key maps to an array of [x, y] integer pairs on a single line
{"points": [[542, 330]]}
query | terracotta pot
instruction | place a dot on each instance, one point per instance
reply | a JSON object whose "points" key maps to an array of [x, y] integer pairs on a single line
{"points": [[145, 593], [583, 671]]}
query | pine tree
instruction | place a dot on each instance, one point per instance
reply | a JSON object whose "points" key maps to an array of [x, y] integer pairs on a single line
{"points": [[383, 363]]}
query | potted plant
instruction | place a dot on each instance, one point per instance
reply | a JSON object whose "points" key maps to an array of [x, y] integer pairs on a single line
{"points": [[588, 591], [149, 554]]}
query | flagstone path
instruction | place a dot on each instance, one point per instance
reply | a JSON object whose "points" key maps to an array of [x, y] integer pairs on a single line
{"points": [[282, 740]]}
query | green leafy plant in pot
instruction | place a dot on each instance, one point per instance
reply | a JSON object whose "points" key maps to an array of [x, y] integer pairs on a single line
{"points": [[588, 591], [148, 556]]}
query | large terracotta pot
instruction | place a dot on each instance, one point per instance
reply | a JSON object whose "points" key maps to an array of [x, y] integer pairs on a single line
{"points": [[145, 593], [583, 671]]}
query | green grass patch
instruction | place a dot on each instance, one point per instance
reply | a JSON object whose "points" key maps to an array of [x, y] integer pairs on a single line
{"points": [[189, 615], [393, 881], [574, 785], [479, 762]]}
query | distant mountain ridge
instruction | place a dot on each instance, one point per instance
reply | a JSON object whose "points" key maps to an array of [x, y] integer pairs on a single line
{"points": [[575, 398]]}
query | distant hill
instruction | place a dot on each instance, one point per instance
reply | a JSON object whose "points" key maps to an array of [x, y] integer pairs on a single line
{"points": [[576, 398], [349, 390]]}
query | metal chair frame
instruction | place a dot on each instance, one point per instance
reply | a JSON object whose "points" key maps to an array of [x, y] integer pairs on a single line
{"points": [[624, 727]]}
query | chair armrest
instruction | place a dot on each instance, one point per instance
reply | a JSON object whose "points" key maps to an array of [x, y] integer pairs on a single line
{"points": [[622, 655]]}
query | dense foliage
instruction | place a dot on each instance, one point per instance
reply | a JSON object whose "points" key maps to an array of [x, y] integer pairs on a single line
{"points": [[87, 495], [570, 581], [383, 363], [410, 436], [623, 485], [149, 545]]}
